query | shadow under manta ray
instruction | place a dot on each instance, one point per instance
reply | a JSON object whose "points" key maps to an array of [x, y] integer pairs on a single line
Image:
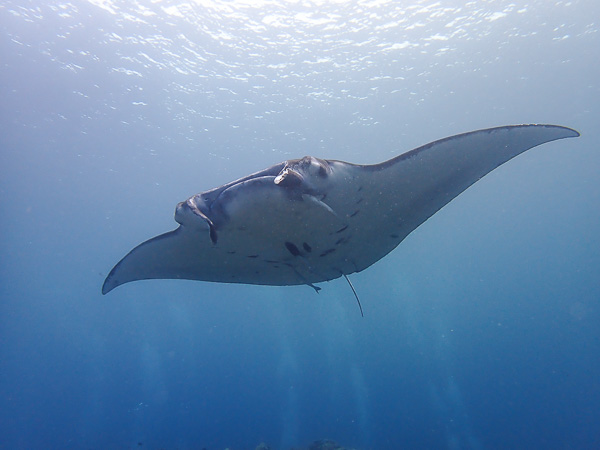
{"points": [[309, 220]]}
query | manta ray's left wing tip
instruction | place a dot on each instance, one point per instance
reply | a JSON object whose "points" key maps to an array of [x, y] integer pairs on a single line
{"points": [[110, 282], [105, 287]]}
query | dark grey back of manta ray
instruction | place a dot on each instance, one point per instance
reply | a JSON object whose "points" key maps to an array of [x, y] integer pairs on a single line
{"points": [[310, 220]]}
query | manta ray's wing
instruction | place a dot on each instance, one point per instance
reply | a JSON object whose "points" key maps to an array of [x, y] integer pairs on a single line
{"points": [[166, 256], [309, 220], [387, 201], [188, 252]]}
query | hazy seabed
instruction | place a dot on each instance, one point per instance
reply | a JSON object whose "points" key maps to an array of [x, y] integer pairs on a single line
{"points": [[480, 329]]}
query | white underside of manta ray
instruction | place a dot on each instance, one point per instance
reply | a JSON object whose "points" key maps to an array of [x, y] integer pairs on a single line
{"points": [[309, 220]]}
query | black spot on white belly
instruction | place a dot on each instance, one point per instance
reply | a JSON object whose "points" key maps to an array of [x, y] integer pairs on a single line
{"points": [[342, 229], [292, 248], [355, 213], [327, 252], [306, 247]]}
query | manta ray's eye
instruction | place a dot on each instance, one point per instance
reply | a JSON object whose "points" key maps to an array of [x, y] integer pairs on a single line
{"points": [[318, 167]]}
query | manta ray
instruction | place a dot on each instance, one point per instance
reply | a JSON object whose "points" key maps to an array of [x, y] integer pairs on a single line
{"points": [[310, 220]]}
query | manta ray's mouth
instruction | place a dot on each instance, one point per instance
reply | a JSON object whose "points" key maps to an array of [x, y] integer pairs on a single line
{"points": [[188, 212], [182, 211], [193, 207]]}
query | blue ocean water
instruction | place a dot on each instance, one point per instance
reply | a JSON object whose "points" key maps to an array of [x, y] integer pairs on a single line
{"points": [[480, 329]]}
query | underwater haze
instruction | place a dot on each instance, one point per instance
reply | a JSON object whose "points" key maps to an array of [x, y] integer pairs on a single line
{"points": [[480, 330]]}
